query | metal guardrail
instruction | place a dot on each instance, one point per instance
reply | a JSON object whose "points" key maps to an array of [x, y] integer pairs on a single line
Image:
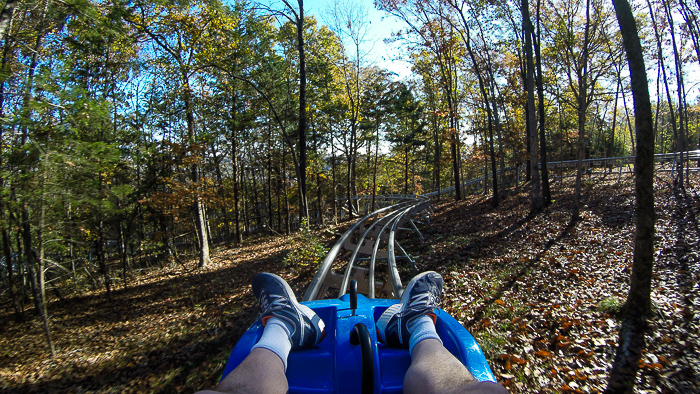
{"points": [[383, 224], [369, 231], [619, 162]]}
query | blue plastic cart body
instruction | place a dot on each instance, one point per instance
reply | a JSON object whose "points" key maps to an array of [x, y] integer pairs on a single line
{"points": [[336, 364]]}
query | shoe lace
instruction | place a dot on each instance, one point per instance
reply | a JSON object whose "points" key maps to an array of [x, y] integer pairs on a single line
{"points": [[423, 300], [272, 302]]}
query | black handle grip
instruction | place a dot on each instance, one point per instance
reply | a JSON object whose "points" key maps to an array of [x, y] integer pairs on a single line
{"points": [[353, 296], [360, 336]]}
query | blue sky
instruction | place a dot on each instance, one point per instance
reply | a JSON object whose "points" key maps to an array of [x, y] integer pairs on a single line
{"points": [[381, 27]]}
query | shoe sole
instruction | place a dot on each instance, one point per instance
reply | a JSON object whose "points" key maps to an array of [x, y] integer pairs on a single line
{"points": [[305, 310], [396, 308], [412, 283]]}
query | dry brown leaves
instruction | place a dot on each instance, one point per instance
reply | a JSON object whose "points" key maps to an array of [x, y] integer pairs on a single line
{"points": [[536, 292], [539, 293], [171, 330]]}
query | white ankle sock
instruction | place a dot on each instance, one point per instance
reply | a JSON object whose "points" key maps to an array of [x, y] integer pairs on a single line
{"points": [[421, 328], [275, 338]]}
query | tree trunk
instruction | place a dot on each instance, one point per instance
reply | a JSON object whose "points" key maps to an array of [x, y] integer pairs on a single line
{"points": [[629, 122], [487, 101], [681, 97], [222, 195], [612, 137], [5, 235], [546, 193], [103, 259], [658, 135], [582, 107], [374, 171], [455, 160], [446, 73], [270, 213], [303, 209], [536, 192], [243, 203], [354, 205], [287, 228], [319, 190], [10, 278], [486, 167], [200, 225], [348, 182], [405, 172], [25, 119], [123, 255], [6, 18], [499, 136], [279, 200], [29, 258], [638, 304], [692, 25], [23, 298], [528, 142], [204, 259], [492, 155], [256, 199], [437, 154], [487, 106], [319, 200], [40, 245], [335, 194], [236, 187]]}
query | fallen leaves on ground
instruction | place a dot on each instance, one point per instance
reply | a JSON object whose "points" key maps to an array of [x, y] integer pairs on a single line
{"points": [[170, 330], [539, 293]]}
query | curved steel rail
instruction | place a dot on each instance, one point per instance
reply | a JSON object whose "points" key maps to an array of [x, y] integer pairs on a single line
{"points": [[387, 218]]}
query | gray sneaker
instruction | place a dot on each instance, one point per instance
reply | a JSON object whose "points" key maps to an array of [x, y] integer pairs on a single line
{"points": [[420, 298], [277, 300]]}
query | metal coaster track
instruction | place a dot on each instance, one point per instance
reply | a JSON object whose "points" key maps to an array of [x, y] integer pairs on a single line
{"points": [[364, 238], [352, 359]]}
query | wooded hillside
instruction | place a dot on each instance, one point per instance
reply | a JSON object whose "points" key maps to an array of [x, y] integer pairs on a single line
{"points": [[541, 296], [135, 135]]}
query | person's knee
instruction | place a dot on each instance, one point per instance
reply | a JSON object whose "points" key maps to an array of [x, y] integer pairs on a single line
{"points": [[438, 377], [484, 388], [429, 384]]}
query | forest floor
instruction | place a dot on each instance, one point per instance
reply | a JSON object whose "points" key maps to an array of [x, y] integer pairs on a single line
{"points": [[539, 293]]}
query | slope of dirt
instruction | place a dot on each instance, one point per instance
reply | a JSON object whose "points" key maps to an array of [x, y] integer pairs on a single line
{"points": [[539, 294]]}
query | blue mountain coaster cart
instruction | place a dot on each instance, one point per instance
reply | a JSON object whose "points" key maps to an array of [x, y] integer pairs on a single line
{"points": [[350, 359]]}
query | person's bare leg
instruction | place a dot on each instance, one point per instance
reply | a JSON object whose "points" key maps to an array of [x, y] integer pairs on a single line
{"points": [[411, 323], [261, 372], [435, 370], [288, 326]]}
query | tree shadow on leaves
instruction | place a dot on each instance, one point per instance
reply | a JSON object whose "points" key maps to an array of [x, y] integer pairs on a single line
{"points": [[103, 349], [635, 328], [481, 309], [628, 354], [177, 359]]}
